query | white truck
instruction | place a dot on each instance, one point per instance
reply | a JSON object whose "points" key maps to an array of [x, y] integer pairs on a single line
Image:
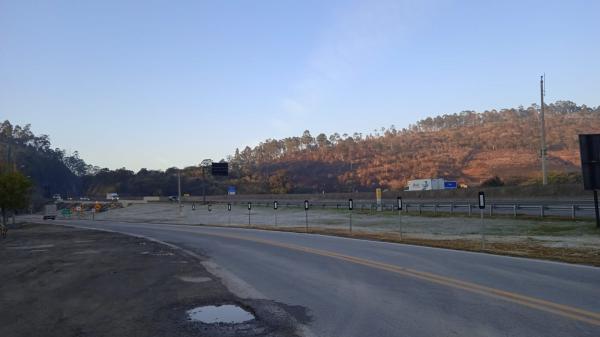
{"points": [[426, 184], [112, 196], [50, 212]]}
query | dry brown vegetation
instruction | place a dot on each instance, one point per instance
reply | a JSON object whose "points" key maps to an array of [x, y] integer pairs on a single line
{"points": [[469, 147], [529, 248]]}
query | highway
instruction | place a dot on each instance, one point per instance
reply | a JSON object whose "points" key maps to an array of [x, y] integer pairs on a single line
{"points": [[365, 288]]}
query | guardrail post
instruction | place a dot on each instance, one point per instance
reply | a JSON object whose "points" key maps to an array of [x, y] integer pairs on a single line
{"points": [[542, 211], [491, 209], [573, 208], [435, 209], [514, 211], [470, 209], [420, 212], [452, 207]]}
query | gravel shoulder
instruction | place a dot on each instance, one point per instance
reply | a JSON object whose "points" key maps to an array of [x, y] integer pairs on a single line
{"points": [[62, 281]]}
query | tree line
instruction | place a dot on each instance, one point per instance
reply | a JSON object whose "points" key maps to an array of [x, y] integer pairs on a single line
{"points": [[449, 146]]}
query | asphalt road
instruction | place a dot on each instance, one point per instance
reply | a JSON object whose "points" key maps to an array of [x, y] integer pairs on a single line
{"points": [[364, 288]]}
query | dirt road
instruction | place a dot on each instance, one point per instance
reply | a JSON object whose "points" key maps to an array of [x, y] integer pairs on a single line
{"points": [[61, 281]]}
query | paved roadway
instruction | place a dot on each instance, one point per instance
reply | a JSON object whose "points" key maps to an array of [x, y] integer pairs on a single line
{"points": [[365, 288]]}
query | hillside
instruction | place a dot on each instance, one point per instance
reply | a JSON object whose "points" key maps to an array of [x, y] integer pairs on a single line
{"points": [[468, 146]]}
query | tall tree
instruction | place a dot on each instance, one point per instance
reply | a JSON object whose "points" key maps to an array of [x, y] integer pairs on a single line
{"points": [[15, 190]]}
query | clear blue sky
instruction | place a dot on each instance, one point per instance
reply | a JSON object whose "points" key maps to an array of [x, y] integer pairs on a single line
{"points": [[168, 83]]}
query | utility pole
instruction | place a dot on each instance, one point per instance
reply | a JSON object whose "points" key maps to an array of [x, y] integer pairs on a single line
{"points": [[543, 127]]}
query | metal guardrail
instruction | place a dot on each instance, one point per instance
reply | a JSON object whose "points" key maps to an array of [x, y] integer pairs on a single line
{"points": [[572, 211]]}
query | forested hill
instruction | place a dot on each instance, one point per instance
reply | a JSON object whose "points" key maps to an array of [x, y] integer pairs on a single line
{"points": [[52, 170], [470, 147], [467, 146]]}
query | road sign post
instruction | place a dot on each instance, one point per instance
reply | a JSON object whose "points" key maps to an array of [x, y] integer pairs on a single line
{"points": [[229, 212], [249, 209], [589, 148], [350, 208], [596, 209], [275, 206], [481, 208], [306, 205], [209, 207], [399, 206]]}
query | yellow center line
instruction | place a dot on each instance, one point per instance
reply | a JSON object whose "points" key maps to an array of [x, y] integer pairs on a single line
{"points": [[532, 302]]}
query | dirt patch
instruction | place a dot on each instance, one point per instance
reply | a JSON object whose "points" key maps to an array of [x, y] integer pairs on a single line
{"points": [[91, 283]]}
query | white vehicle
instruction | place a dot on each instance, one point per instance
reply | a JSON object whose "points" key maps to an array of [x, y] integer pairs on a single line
{"points": [[112, 196], [50, 212]]}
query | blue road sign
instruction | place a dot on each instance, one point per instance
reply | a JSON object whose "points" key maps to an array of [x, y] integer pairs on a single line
{"points": [[231, 190], [450, 185]]}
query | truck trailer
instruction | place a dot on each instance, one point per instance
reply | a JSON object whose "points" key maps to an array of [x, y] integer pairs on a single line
{"points": [[426, 184], [112, 196], [50, 212]]}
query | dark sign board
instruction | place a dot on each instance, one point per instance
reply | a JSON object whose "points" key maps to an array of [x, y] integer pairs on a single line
{"points": [[275, 204], [249, 205], [589, 147], [481, 200], [229, 207], [306, 205], [350, 204], [220, 169], [399, 203]]}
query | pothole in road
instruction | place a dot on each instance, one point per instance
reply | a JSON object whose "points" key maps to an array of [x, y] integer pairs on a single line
{"points": [[227, 313]]}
